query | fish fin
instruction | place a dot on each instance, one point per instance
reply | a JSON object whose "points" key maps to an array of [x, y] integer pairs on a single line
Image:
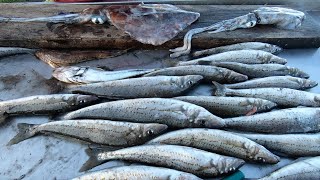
{"points": [[220, 89], [94, 160], [203, 62], [25, 131], [252, 111], [68, 138]]}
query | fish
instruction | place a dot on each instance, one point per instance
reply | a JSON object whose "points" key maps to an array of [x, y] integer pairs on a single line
{"points": [[143, 87], [284, 121], [138, 172], [44, 104], [209, 73], [275, 81], [240, 56], [171, 112], [284, 97], [293, 145], [187, 159], [61, 58], [105, 132], [230, 106], [304, 169], [274, 49], [86, 75], [9, 51], [218, 141], [261, 70]]}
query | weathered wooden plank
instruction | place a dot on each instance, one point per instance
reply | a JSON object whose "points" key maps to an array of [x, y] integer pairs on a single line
{"points": [[42, 35]]}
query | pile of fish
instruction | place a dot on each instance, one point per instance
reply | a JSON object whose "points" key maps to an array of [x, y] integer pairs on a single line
{"points": [[259, 110]]}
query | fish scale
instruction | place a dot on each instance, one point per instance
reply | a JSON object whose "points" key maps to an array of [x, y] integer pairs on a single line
{"points": [[97, 131], [198, 162], [218, 141]]}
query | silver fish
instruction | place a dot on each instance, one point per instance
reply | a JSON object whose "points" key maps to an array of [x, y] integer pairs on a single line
{"points": [[241, 56], [293, 120], [44, 104], [304, 169], [281, 96], [218, 141], [289, 144], [85, 74], [187, 159], [138, 172], [209, 73], [96, 131], [275, 81], [261, 70], [230, 106], [9, 51], [159, 86], [240, 46], [172, 112]]}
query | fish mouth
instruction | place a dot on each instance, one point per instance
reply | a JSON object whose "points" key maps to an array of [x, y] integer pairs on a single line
{"points": [[161, 128]]}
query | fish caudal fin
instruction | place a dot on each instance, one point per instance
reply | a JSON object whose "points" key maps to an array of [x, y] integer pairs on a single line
{"points": [[95, 157], [220, 89], [25, 131]]}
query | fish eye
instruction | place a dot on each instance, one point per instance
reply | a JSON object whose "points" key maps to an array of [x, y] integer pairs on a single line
{"points": [[190, 82], [82, 101], [261, 159], [202, 122], [150, 132]]}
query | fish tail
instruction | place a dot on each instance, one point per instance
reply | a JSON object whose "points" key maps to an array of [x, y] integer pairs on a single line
{"points": [[25, 131], [220, 90]]}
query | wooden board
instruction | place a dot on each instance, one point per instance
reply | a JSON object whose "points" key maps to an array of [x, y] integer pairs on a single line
{"points": [[42, 35]]}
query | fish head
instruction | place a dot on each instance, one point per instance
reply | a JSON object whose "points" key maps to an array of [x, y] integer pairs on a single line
{"points": [[82, 100], [152, 130], [203, 118], [305, 83], [69, 74], [262, 104], [227, 164], [190, 80], [276, 60], [236, 77], [274, 49], [297, 73], [260, 154]]}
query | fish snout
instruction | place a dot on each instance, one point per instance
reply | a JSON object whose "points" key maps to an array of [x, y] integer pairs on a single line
{"points": [[86, 99]]}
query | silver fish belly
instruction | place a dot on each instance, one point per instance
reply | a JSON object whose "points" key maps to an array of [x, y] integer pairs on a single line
{"points": [[144, 87], [261, 70], [96, 131], [275, 81], [45, 104], [138, 172], [281, 96], [230, 106], [304, 169], [209, 73], [187, 159], [85, 75], [293, 120], [218, 141], [241, 56], [173, 113], [9, 51], [289, 144], [240, 46]]}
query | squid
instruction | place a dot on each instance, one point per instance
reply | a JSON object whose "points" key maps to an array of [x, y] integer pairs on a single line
{"points": [[279, 17]]}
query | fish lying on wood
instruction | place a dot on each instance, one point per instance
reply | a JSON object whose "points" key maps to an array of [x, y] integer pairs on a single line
{"points": [[260, 70], [218, 141], [94, 131], [9, 51], [138, 172], [59, 58], [44, 104], [293, 120], [209, 73], [143, 87], [171, 112], [187, 159], [230, 106], [85, 74], [275, 81], [289, 144], [274, 49], [241, 56], [303, 169], [281, 96]]}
